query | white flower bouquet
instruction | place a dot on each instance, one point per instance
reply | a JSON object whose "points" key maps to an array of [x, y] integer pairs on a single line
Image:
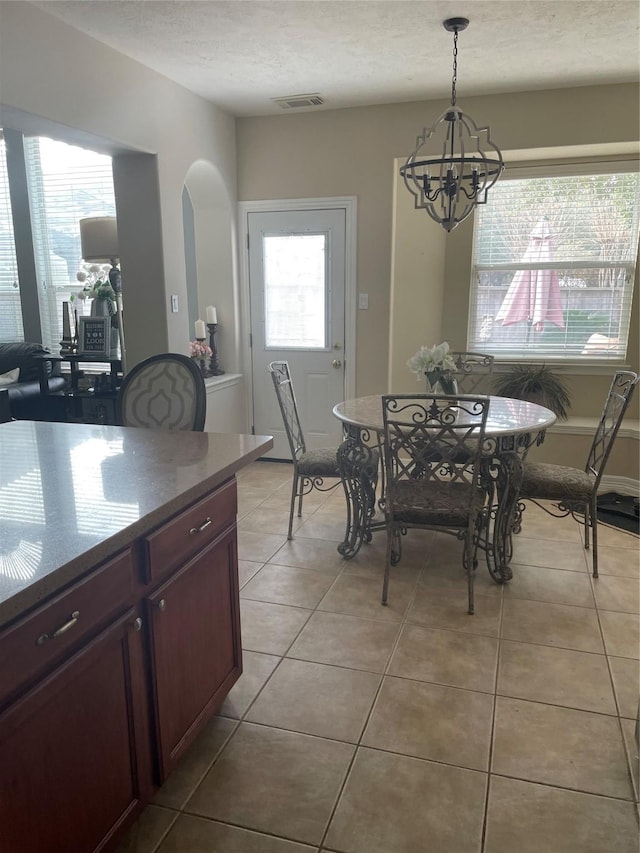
{"points": [[436, 365]]}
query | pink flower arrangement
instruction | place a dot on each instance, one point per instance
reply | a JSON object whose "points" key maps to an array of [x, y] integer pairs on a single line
{"points": [[199, 350]]}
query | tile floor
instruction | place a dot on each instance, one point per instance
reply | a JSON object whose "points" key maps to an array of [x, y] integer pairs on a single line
{"points": [[416, 727]]}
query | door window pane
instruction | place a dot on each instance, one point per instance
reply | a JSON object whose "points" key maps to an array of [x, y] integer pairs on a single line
{"points": [[294, 291]]}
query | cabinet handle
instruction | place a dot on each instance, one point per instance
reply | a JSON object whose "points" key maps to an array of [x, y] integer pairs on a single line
{"points": [[137, 625], [66, 626], [202, 527], [161, 605]]}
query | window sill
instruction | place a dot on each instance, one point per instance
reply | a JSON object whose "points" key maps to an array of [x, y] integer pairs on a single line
{"points": [[570, 368]]}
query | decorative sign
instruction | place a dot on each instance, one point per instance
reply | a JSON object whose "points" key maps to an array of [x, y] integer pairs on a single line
{"points": [[94, 336]]}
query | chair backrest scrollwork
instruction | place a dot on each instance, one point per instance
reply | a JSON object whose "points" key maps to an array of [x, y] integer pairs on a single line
{"points": [[618, 399], [281, 376], [471, 370]]}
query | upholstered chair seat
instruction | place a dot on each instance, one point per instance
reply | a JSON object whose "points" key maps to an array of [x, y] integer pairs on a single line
{"points": [[318, 463], [556, 483]]}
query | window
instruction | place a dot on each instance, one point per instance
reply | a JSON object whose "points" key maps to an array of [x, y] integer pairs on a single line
{"points": [[65, 184], [553, 267]]}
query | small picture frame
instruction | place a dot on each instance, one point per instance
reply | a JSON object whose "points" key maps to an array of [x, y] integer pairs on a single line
{"points": [[94, 336]]}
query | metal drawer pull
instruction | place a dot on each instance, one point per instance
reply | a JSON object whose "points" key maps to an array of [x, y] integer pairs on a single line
{"points": [[161, 605], [202, 527], [137, 625], [71, 621]]}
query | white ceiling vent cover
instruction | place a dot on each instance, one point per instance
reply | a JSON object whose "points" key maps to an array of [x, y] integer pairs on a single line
{"points": [[294, 102]]}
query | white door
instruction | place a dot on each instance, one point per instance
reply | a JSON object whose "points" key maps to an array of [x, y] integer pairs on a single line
{"points": [[297, 291]]}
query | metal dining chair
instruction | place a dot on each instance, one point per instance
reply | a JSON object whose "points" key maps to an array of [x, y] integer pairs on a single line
{"points": [[165, 391], [471, 370], [573, 491], [432, 456], [310, 467]]}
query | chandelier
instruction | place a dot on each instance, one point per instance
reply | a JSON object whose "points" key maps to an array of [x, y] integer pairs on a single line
{"points": [[450, 184]]}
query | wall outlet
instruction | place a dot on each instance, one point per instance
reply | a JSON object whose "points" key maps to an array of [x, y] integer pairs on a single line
{"points": [[363, 301], [174, 303]]}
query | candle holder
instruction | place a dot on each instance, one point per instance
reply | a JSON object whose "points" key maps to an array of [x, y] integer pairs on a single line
{"points": [[203, 362], [215, 368]]}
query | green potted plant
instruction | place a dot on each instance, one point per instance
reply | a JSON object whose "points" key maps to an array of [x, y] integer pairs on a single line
{"points": [[536, 383]]}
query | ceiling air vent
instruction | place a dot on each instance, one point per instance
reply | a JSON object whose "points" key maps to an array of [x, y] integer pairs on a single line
{"points": [[295, 102]]}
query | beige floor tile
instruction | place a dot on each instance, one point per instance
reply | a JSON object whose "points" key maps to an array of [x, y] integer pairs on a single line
{"points": [[626, 683], [274, 781], [551, 625], [309, 554], [549, 553], [270, 520], [288, 585], [446, 657], [531, 818], [323, 526], [395, 804], [438, 608], [615, 593], [370, 563], [346, 641], [256, 669], [148, 831], [258, 547], [431, 721], [537, 583], [621, 633], [246, 570], [189, 772], [555, 676], [614, 537], [448, 573], [624, 562], [358, 596], [539, 525], [328, 701], [270, 628], [197, 835], [561, 747], [631, 744]]}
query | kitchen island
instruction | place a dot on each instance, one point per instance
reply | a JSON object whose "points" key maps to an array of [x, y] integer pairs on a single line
{"points": [[119, 619]]}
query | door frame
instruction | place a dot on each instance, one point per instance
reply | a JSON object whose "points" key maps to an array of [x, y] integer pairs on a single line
{"points": [[350, 206]]}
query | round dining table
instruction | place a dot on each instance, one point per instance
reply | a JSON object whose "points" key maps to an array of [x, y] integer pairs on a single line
{"points": [[513, 426]]}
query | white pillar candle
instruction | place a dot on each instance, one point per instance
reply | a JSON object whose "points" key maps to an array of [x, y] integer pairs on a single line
{"points": [[212, 316], [200, 329]]}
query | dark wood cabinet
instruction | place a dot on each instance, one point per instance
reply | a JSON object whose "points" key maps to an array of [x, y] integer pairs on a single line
{"points": [[196, 656], [108, 682], [83, 735]]}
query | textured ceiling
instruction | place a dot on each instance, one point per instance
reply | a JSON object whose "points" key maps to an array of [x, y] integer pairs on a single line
{"points": [[243, 53]]}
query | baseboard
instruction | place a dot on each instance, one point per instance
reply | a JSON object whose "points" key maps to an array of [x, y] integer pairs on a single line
{"points": [[621, 485]]}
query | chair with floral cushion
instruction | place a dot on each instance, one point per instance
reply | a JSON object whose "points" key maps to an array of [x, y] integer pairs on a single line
{"points": [[574, 491], [432, 453], [310, 467], [471, 370]]}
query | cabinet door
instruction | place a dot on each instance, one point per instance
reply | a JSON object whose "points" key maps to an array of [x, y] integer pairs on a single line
{"points": [[74, 751], [194, 622]]}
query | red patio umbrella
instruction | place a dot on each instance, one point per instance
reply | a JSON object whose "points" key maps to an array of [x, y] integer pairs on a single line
{"points": [[534, 295]]}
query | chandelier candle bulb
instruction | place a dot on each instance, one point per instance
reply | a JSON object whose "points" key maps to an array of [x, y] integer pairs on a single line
{"points": [[212, 316], [200, 330]]}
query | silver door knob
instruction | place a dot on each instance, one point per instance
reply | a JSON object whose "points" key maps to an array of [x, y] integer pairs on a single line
{"points": [[336, 363]]}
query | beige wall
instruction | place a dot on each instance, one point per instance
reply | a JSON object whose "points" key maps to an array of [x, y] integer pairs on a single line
{"points": [[59, 82], [418, 284]]}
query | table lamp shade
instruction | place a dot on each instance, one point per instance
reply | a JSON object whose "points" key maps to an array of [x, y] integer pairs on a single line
{"points": [[99, 238]]}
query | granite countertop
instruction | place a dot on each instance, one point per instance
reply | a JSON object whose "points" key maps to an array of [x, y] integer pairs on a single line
{"points": [[72, 495]]}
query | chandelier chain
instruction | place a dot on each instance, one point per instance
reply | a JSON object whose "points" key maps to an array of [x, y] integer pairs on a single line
{"points": [[454, 79]]}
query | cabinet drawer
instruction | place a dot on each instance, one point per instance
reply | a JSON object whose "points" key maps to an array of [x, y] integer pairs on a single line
{"points": [[44, 636], [191, 531]]}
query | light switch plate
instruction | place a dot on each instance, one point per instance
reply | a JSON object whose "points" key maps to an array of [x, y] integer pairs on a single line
{"points": [[363, 301], [174, 303]]}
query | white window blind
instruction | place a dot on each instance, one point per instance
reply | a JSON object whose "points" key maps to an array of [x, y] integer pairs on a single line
{"points": [[553, 267], [66, 184], [10, 311]]}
